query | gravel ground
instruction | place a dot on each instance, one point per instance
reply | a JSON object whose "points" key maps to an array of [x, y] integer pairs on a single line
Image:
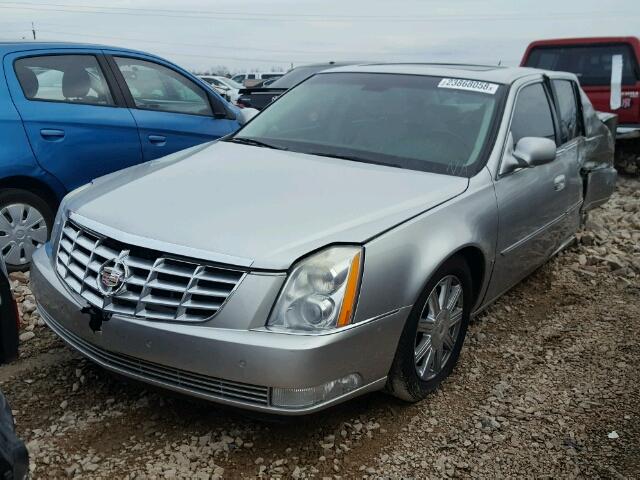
{"points": [[547, 386]]}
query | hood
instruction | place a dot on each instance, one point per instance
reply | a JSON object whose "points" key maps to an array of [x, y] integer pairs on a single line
{"points": [[258, 207]]}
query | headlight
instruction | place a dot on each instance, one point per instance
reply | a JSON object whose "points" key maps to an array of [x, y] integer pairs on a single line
{"points": [[321, 292]]}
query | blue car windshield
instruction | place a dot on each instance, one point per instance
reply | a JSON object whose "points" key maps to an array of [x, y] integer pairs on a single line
{"points": [[418, 122]]}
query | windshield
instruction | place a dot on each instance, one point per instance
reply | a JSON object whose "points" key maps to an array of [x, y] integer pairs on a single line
{"points": [[408, 121]]}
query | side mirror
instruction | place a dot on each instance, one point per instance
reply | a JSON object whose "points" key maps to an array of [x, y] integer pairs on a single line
{"points": [[535, 151], [246, 114], [529, 152]]}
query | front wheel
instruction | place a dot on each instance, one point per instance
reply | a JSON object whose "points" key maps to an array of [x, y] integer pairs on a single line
{"points": [[432, 338], [25, 224]]}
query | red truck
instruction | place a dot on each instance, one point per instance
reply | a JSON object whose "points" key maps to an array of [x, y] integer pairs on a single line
{"points": [[591, 60]]}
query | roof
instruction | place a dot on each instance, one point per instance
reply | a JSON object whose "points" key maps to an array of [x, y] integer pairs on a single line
{"points": [[329, 64], [485, 73], [585, 41], [18, 46]]}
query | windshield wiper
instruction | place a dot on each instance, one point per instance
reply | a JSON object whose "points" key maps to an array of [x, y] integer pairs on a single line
{"points": [[254, 142], [353, 158]]}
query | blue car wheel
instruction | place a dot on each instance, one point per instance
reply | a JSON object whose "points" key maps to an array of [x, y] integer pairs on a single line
{"points": [[25, 224]]}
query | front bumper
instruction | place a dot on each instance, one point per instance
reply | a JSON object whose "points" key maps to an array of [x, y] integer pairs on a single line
{"points": [[232, 366]]}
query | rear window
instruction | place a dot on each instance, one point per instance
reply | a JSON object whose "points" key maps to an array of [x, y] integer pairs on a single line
{"points": [[568, 108], [591, 63]]}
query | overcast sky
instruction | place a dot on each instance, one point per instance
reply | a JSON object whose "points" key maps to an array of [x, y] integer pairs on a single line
{"points": [[260, 34]]}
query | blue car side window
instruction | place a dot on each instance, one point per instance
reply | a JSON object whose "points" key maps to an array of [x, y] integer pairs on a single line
{"points": [[63, 78], [156, 87]]}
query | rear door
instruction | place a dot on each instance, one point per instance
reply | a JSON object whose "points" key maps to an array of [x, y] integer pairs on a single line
{"points": [[571, 140], [592, 64], [172, 111], [73, 113]]}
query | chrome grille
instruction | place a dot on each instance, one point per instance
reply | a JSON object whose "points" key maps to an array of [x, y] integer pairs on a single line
{"points": [[211, 387], [158, 286]]}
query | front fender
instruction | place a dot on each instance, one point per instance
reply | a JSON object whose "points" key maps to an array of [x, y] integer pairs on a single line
{"points": [[399, 263]]}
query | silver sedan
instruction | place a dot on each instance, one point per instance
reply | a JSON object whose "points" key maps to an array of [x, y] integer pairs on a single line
{"points": [[339, 243]]}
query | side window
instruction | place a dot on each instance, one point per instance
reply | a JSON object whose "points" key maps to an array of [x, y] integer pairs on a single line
{"points": [[63, 78], [156, 87], [568, 106], [532, 114]]}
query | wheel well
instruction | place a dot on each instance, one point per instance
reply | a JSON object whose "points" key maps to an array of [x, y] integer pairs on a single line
{"points": [[474, 257], [34, 186]]}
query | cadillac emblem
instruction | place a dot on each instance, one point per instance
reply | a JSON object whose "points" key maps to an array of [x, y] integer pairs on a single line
{"points": [[112, 275]]}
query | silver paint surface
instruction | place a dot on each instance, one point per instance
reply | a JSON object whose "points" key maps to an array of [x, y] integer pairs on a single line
{"points": [[264, 209]]}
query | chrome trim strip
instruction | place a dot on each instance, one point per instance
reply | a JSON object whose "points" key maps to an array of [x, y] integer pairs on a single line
{"points": [[563, 245], [528, 237], [159, 245]]}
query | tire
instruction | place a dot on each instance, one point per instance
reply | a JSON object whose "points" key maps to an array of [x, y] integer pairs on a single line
{"points": [[405, 381], [26, 220]]}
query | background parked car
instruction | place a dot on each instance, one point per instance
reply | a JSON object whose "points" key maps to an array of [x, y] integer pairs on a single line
{"points": [[590, 60], [73, 112], [261, 96], [253, 78], [224, 86]]}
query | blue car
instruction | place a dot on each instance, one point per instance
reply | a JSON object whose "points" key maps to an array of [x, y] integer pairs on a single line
{"points": [[72, 112]]}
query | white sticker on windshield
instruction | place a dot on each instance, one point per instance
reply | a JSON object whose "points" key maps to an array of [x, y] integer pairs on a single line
{"points": [[470, 85]]}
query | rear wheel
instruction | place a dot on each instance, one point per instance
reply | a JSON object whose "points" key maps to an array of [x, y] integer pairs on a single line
{"points": [[432, 338], [25, 224]]}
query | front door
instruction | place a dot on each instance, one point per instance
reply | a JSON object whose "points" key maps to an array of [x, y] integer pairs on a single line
{"points": [[76, 127], [172, 111], [532, 202]]}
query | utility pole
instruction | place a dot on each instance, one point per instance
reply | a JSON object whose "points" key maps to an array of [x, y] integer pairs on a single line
{"points": [[33, 30]]}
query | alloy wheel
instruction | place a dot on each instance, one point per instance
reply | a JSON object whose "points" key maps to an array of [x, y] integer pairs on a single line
{"points": [[438, 327], [22, 230]]}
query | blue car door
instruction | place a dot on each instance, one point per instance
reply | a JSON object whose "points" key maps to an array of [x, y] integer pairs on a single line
{"points": [[172, 110], [73, 112]]}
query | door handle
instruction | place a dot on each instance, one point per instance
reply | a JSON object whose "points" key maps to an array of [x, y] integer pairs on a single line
{"points": [[559, 183], [159, 140], [52, 134]]}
